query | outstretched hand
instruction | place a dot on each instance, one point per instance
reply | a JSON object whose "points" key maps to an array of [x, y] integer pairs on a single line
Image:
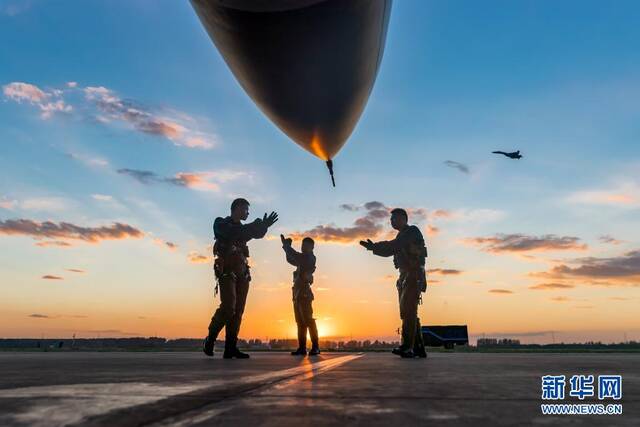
{"points": [[368, 244], [271, 219], [285, 242]]}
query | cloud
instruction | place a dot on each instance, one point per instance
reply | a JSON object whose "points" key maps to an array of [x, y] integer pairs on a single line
{"points": [[518, 243], [623, 270], [75, 270], [102, 197], [144, 177], [350, 207], [608, 239], [196, 258], [39, 316], [19, 92], [561, 299], [444, 271], [197, 181], [169, 245], [551, 286], [442, 213], [201, 181], [51, 277], [457, 165], [48, 204], [174, 126], [623, 193], [48, 102], [432, 230], [500, 291], [89, 160], [44, 204], [8, 204], [67, 231], [104, 106], [58, 243]]}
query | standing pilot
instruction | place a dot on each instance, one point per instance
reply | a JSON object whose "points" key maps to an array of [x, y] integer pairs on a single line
{"points": [[231, 268], [305, 263], [409, 257]]}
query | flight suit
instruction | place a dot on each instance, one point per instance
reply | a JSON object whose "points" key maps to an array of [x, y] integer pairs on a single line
{"points": [[409, 253], [305, 264], [232, 273]]}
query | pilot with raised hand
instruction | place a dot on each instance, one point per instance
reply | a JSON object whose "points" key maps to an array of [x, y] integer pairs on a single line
{"points": [[231, 269]]}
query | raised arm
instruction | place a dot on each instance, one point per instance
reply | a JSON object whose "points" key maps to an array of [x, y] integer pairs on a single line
{"points": [[236, 231], [293, 257]]}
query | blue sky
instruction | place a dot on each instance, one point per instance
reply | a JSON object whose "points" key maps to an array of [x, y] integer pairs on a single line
{"points": [[459, 79]]}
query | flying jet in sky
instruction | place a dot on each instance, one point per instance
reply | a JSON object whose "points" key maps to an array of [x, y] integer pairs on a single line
{"points": [[513, 155]]}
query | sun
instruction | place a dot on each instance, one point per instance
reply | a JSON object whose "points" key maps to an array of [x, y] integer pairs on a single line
{"points": [[324, 329]]}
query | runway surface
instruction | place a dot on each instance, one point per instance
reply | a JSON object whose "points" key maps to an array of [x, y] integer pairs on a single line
{"points": [[275, 389]]}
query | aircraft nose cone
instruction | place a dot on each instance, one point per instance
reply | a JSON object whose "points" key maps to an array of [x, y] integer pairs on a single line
{"points": [[309, 65]]}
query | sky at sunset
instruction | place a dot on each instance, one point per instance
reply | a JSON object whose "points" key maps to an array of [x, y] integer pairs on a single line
{"points": [[123, 134]]}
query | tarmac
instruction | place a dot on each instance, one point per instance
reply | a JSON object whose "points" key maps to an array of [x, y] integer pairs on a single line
{"points": [[276, 389]]}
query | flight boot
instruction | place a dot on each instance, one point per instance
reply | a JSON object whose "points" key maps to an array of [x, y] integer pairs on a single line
{"points": [[407, 354], [207, 346], [420, 352], [399, 350]]}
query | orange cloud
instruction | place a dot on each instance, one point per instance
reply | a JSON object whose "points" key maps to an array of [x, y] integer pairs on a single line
{"points": [[169, 245], [623, 270], [48, 102], [65, 230], [551, 286], [58, 243], [51, 277], [625, 194], [176, 127], [432, 230], [197, 258], [202, 181], [500, 291], [444, 271], [195, 180]]}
